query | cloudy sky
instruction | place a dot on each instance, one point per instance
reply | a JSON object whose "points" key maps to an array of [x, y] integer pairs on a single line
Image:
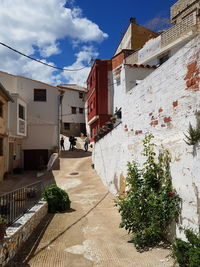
{"points": [[69, 33]]}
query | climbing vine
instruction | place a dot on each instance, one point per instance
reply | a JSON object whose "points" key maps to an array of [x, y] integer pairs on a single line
{"points": [[150, 203]]}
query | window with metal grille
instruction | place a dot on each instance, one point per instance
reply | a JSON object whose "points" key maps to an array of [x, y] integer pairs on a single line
{"points": [[1, 109], [40, 95], [1, 146], [21, 112], [73, 109]]}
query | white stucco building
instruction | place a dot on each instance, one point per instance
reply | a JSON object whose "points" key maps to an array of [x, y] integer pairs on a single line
{"points": [[72, 113], [34, 120]]}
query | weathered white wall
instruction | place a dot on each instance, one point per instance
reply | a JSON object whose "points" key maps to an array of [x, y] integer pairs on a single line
{"points": [[163, 104], [71, 99]]}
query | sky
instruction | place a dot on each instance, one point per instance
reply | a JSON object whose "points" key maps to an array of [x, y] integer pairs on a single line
{"points": [[69, 34]]}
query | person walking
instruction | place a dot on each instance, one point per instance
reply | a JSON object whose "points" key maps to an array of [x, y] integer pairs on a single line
{"points": [[87, 141], [62, 143], [71, 141]]}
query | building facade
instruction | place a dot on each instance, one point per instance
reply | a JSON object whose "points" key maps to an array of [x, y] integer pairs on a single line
{"points": [[98, 98], [36, 120], [4, 99], [72, 113]]}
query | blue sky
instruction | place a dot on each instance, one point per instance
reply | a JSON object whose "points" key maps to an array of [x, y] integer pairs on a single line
{"points": [[69, 33]]}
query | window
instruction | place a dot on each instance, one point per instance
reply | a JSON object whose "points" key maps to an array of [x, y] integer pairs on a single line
{"points": [[81, 95], [1, 109], [21, 112], [73, 110], [163, 58], [1, 146], [40, 95], [81, 110], [66, 126], [118, 80]]}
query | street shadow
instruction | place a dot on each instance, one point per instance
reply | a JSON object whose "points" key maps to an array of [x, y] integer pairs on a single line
{"points": [[76, 153], [27, 250]]}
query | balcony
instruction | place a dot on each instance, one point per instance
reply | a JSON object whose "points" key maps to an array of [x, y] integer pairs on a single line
{"points": [[186, 29]]}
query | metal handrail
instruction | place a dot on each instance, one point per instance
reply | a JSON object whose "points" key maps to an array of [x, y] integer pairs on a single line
{"points": [[17, 202]]}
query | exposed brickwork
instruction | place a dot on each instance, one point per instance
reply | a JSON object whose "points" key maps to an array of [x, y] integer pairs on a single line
{"points": [[192, 77], [167, 119], [160, 110], [163, 125], [175, 104], [154, 123], [150, 114], [138, 132]]}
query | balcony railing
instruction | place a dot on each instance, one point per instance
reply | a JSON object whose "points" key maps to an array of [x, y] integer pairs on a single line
{"points": [[179, 29], [14, 204]]}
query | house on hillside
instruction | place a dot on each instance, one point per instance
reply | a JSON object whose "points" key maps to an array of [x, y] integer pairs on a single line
{"points": [[4, 152], [72, 114], [37, 119], [135, 37], [185, 17]]}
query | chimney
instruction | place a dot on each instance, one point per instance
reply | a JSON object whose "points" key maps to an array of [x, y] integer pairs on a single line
{"points": [[132, 20]]}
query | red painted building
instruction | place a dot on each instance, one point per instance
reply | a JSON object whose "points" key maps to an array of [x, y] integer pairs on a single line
{"points": [[98, 96]]}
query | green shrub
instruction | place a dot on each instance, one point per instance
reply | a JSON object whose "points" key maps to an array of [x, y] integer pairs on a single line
{"points": [[187, 254], [57, 199], [149, 204]]}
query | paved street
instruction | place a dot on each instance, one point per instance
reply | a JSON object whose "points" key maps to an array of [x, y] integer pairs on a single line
{"points": [[88, 235]]}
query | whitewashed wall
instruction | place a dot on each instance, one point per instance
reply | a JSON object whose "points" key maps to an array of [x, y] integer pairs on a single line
{"points": [[163, 104]]}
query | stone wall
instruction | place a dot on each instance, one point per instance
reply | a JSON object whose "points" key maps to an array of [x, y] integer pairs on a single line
{"points": [[20, 231], [163, 104]]}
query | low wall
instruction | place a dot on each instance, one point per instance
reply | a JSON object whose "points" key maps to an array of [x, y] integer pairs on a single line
{"points": [[20, 231]]}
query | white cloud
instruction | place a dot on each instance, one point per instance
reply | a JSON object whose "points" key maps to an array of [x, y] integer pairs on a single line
{"points": [[83, 58], [38, 26]]}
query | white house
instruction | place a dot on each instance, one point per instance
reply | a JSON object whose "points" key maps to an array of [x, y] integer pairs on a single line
{"points": [[163, 103], [72, 109], [34, 117], [185, 17]]}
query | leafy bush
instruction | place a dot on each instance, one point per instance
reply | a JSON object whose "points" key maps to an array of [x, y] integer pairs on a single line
{"points": [[187, 254], [149, 204], [57, 199]]}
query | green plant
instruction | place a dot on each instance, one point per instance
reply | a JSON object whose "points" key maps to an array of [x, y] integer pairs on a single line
{"points": [[57, 199], [55, 147], [187, 254], [2, 219], [150, 203], [193, 132]]}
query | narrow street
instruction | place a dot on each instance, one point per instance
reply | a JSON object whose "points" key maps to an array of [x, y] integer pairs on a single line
{"points": [[89, 234]]}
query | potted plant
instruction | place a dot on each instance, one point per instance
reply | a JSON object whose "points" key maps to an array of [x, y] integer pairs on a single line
{"points": [[55, 149], [2, 227], [109, 124]]}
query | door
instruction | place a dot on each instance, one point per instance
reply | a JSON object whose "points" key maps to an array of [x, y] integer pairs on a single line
{"points": [[35, 159]]}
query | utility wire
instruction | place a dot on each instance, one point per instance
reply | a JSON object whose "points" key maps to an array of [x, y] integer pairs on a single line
{"points": [[41, 62]]}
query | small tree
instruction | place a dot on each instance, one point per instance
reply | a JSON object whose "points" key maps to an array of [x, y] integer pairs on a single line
{"points": [[150, 204]]}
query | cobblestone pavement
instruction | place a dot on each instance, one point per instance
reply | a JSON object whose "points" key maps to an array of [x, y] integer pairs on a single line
{"points": [[88, 235]]}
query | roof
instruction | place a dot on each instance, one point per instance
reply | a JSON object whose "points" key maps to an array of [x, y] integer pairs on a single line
{"points": [[72, 87], [19, 76], [6, 93], [142, 66]]}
